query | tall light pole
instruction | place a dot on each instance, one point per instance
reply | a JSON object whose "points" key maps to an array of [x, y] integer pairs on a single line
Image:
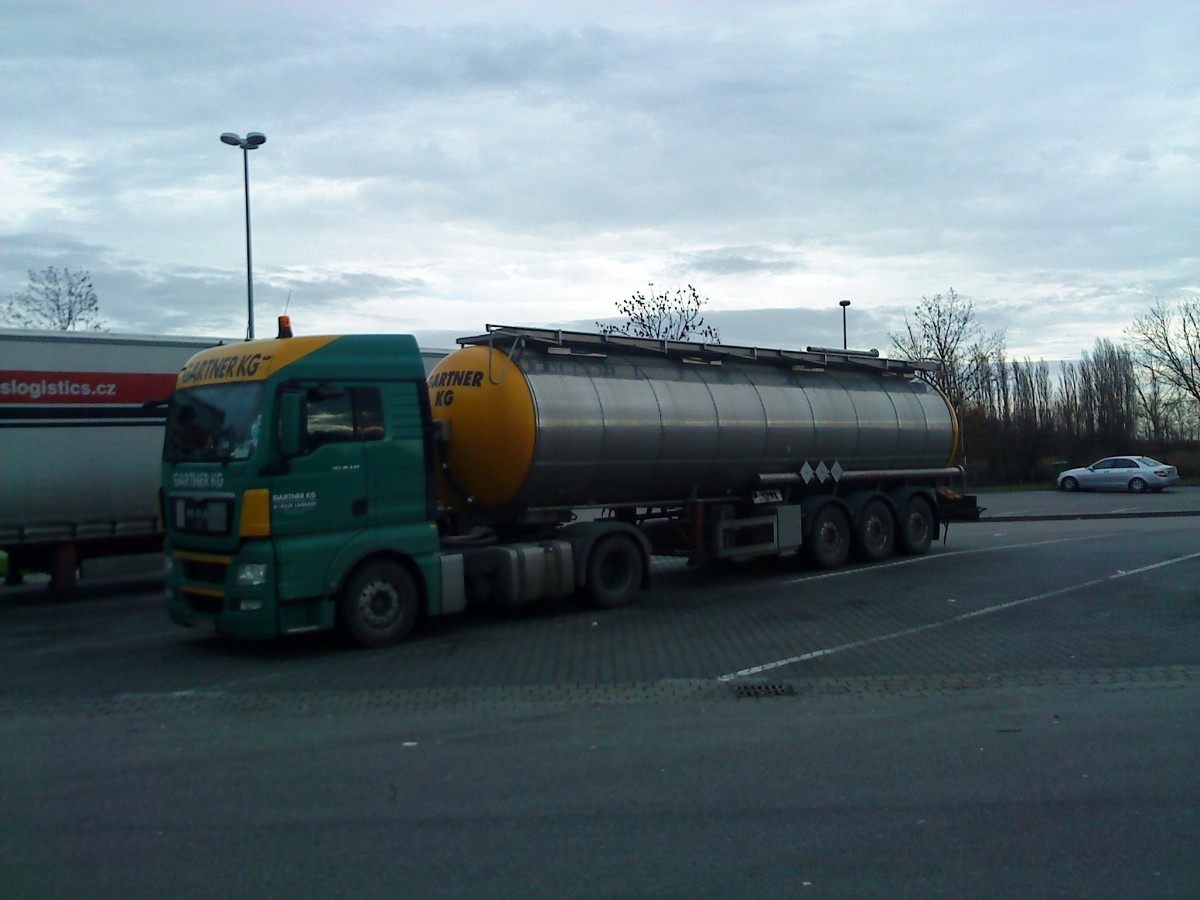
{"points": [[842, 303], [251, 141]]}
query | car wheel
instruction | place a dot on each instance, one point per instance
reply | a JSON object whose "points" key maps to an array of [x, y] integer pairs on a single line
{"points": [[1069, 484], [1138, 485]]}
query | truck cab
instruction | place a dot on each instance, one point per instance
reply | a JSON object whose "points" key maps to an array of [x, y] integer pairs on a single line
{"points": [[293, 470]]}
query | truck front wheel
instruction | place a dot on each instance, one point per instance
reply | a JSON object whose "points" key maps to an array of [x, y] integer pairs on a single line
{"points": [[378, 605], [614, 572]]}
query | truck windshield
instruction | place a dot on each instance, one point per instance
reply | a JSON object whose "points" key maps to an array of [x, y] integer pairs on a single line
{"points": [[214, 423]]}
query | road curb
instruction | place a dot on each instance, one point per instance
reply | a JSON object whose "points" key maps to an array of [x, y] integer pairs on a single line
{"points": [[1067, 517]]}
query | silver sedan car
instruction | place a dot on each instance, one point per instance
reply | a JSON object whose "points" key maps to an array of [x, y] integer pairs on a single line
{"points": [[1120, 473]]}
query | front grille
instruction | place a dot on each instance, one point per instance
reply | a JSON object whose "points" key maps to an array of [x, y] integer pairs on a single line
{"points": [[204, 603], [204, 571]]}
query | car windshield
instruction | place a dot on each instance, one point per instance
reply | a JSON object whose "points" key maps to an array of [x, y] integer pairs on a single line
{"points": [[214, 423], [1147, 461]]}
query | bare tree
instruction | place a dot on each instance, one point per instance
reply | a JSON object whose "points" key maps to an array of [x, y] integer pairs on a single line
{"points": [[56, 300], [943, 330], [1159, 407], [673, 317], [1109, 394], [1168, 344], [1069, 405]]}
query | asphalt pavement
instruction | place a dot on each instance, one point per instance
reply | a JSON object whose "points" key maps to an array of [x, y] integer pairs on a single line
{"points": [[1011, 714]]}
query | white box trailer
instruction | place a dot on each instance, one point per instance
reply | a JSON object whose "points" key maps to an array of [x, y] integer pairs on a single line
{"points": [[80, 449]]}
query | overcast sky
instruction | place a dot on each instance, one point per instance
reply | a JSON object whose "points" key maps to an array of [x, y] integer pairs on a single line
{"points": [[431, 167]]}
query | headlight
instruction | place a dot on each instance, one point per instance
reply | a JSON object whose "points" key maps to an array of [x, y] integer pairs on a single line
{"points": [[251, 574]]}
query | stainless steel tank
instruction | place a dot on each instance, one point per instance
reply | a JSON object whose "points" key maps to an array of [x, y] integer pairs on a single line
{"points": [[541, 427]]}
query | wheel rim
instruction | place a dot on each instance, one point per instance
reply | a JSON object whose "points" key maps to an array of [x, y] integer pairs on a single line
{"points": [[829, 538], [917, 526], [1138, 486], [615, 572], [875, 532], [379, 605]]}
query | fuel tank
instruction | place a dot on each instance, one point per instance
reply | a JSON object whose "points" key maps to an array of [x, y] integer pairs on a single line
{"points": [[560, 423]]}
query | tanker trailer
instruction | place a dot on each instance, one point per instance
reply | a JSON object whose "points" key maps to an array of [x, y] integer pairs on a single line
{"points": [[80, 448], [333, 481], [709, 451]]}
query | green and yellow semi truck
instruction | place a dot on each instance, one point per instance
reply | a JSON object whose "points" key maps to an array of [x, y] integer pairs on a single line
{"points": [[314, 483]]}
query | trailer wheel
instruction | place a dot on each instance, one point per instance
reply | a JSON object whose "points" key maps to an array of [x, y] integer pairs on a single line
{"points": [[614, 572], [875, 536], [916, 526], [378, 605], [829, 538]]}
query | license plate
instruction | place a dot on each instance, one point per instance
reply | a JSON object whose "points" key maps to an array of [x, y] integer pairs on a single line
{"points": [[201, 516]]}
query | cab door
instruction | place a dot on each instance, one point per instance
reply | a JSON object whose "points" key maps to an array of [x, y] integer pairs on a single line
{"points": [[399, 469], [319, 505]]}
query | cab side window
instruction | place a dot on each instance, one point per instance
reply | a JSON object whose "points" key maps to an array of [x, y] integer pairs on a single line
{"points": [[368, 414], [339, 416]]}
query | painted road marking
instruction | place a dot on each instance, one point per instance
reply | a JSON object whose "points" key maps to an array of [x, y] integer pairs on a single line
{"points": [[987, 611], [943, 554]]}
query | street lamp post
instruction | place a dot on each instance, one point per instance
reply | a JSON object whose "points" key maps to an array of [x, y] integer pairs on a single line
{"points": [[251, 141], [842, 303]]}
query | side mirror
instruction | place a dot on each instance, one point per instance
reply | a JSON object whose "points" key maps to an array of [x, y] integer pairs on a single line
{"points": [[291, 424]]}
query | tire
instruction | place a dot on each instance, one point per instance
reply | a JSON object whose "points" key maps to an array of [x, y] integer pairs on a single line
{"points": [[1069, 484], [379, 605], [875, 534], [828, 538], [1138, 485], [615, 571], [915, 533]]}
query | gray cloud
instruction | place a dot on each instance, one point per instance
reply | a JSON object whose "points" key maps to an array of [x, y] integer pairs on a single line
{"points": [[428, 165], [736, 261]]}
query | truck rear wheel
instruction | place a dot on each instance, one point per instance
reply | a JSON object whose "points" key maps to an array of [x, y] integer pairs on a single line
{"points": [[378, 605], [829, 538], [916, 526], [614, 572], [875, 535]]}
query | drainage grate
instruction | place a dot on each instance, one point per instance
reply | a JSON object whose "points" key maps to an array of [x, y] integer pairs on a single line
{"points": [[765, 690]]}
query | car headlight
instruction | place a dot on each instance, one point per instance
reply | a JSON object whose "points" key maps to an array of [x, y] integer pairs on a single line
{"points": [[251, 574]]}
